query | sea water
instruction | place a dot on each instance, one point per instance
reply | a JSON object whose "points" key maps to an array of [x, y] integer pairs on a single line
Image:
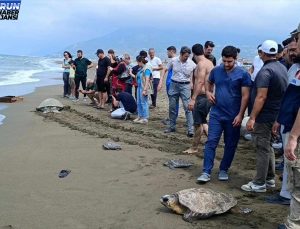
{"points": [[20, 75]]}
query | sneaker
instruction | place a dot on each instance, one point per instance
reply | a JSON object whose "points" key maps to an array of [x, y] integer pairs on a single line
{"points": [[223, 175], [251, 187], [190, 135], [142, 121], [248, 137], [75, 100], [205, 177], [152, 107], [277, 145], [126, 116], [169, 130], [278, 199], [166, 122], [84, 99], [270, 183]]}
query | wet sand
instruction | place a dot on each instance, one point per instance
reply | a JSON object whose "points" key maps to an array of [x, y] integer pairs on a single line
{"points": [[108, 189]]}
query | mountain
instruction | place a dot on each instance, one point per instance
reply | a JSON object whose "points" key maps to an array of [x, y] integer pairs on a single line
{"points": [[131, 40]]}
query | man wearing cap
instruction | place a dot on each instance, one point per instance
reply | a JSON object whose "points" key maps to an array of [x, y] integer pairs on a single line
{"points": [[269, 87], [289, 117], [82, 64], [208, 49], [102, 77]]}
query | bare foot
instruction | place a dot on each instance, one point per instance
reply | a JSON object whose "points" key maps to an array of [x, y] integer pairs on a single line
{"points": [[190, 151]]}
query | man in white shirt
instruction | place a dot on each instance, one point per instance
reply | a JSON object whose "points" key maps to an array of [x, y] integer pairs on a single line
{"points": [[256, 65], [180, 87], [156, 68]]}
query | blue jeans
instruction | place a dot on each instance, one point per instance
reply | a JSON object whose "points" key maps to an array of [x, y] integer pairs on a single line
{"points": [[177, 107], [66, 83], [231, 139], [182, 91], [155, 83], [142, 104]]}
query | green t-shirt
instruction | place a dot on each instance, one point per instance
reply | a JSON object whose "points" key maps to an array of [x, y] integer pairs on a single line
{"points": [[81, 67]]}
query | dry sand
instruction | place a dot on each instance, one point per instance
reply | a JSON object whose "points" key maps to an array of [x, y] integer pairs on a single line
{"points": [[107, 189]]}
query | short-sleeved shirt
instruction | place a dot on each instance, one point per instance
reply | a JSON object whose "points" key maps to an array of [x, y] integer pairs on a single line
{"points": [[103, 65], [81, 66], [139, 79], [257, 65], [182, 72], [228, 91], [273, 75], [66, 64], [128, 101], [212, 58], [155, 62]]}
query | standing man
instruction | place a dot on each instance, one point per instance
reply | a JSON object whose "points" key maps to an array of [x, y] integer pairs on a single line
{"points": [[208, 49], [171, 53], [232, 88], [156, 68], [82, 64], [268, 90], [199, 103], [180, 87], [102, 77]]}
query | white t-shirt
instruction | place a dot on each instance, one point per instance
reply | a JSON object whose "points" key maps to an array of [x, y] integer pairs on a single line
{"points": [[293, 74], [257, 65], [155, 62]]}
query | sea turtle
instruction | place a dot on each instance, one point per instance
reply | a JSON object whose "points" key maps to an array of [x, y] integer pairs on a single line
{"points": [[177, 163], [198, 203], [50, 105]]}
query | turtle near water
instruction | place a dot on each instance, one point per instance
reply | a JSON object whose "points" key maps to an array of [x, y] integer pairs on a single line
{"points": [[50, 105], [198, 203]]}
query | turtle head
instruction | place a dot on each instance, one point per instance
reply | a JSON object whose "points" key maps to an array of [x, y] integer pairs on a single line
{"points": [[172, 202]]}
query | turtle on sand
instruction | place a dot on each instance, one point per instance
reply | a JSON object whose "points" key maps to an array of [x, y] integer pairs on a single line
{"points": [[50, 105], [178, 163], [198, 203]]}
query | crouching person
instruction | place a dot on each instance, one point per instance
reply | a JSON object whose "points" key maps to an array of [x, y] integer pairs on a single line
{"points": [[91, 91], [125, 104]]}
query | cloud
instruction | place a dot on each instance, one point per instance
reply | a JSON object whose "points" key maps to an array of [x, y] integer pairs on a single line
{"points": [[55, 24]]}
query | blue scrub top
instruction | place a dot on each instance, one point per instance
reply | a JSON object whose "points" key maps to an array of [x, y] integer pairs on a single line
{"points": [[228, 91]]}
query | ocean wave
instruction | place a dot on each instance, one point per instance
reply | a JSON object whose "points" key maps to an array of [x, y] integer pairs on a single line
{"points": [[2, 117]]}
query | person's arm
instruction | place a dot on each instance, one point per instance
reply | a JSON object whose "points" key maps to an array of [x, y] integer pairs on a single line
{"points": [[244, 103], [251, 69], [109, 70], [199, 82], [259, 102], [289, 150], [115, 101], [160, 67], [65, 66], [165, 72], [147, 75], [90, 64]]}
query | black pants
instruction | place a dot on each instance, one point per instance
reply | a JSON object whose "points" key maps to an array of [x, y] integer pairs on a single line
{"points": [[154, 95], [66, 83], [79, 79], [128, 88]]}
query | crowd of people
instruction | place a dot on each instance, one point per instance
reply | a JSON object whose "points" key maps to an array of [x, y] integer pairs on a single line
{"points": [[269, 91]]}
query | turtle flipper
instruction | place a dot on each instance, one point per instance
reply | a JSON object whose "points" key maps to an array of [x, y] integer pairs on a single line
{"points": [[188, 216]]}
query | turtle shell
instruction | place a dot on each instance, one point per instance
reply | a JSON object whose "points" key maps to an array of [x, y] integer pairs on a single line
{"points": [[203, 201], [50, 102]]}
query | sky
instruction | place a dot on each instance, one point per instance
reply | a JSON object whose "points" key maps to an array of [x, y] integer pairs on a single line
{"points": [[44, 27]]}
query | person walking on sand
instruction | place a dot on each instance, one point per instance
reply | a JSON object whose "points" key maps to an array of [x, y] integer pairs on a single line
{"points": [[66, 73], [232, 86], [156, 68], [268, 90], [144, 89], [82, 64], [102, 77], [199, 103], [180, 87]]}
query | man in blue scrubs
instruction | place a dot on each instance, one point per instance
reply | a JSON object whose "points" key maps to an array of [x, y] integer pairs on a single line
{"points": [[232, 86]]}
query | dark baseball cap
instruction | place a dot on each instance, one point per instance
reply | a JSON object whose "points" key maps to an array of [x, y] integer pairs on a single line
{"points": [[99, 51]]}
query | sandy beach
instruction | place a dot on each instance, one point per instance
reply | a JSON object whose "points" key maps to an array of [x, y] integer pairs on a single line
{"points": [[108, 189]]}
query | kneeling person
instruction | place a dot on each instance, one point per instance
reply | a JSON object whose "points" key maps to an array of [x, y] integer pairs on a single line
{"points": [[91, 91], [126, 104]]}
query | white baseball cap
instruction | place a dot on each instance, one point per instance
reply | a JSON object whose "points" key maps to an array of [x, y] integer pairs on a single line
{"points": [[269, 47]]}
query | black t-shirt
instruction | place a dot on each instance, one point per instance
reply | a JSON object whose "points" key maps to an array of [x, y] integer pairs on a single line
{"points": [[81, 66], [273, 75], [103, 65], [212, 59], [128, 101]]}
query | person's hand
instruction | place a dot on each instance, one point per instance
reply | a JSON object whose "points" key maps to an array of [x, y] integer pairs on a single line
{"points": [[237, 120], [289, 150], [106, 79], [145, 93], [275, 128], [191, 104], [211, 97], [250, 124], [159, 87], [110, 68]]}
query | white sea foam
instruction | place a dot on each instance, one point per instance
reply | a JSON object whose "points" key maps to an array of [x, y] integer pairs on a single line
{"points": [[2, 117]]}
